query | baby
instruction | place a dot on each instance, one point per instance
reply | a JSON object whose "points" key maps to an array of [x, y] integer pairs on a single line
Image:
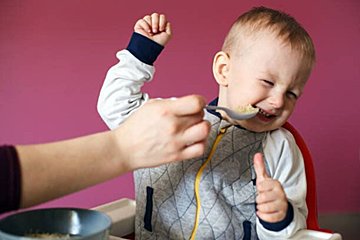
{"points": [[250, 183]]}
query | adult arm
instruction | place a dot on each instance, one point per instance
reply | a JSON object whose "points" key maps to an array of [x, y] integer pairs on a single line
{"points": [[166, 131]]}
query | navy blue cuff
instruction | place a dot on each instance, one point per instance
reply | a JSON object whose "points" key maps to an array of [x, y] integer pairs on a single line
{"points": [[278, 226], [144, 49]]}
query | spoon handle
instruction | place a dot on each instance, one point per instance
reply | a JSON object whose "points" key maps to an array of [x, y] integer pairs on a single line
{"points": [[211, 107]]}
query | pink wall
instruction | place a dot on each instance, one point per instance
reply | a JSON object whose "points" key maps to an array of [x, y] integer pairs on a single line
{"points": [[54, 56]]}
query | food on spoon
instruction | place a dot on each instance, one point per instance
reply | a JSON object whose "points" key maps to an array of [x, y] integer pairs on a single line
{"points": [[247, 109]]}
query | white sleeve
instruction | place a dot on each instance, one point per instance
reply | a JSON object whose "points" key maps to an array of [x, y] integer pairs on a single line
{"points": [[286, 164], [121, 93]]}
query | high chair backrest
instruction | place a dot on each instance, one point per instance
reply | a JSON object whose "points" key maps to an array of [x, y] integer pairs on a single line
{"points": [[311, 199]]}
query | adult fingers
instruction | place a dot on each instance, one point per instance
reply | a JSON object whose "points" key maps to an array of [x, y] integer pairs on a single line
{"points": [[183, 111], [192, 151], [196, 133], [188, 105]]}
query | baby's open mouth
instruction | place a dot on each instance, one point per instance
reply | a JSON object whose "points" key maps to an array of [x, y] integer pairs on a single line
{"points": [[265, 114]]}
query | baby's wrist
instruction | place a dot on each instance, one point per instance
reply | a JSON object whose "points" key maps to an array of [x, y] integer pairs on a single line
{"points": [[144, 49], [278, 226]]}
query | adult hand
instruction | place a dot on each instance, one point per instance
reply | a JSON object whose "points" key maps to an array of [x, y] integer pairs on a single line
{"points": [[160, 132], [163, 131], [271, 200]]}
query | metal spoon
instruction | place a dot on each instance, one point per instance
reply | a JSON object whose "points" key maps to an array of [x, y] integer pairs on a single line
{"points": [[232, 114]]}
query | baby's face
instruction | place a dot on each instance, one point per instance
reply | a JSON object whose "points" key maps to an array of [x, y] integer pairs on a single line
{"points": [[267, 74]]}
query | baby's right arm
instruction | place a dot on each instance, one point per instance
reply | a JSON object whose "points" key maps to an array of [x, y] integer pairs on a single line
{"points": [[121, 93]]}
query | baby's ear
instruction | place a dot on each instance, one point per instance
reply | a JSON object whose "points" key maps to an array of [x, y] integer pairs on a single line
{"points": [[221, 68]]}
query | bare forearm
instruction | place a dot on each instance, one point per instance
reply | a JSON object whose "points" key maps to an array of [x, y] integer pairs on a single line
{"points": [[56, 169]]}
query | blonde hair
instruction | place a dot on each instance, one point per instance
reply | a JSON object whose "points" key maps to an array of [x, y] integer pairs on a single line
{"points": [[283, 25]]}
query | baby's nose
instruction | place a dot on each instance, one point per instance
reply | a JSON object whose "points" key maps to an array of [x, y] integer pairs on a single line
{"points": [[277, 100]]}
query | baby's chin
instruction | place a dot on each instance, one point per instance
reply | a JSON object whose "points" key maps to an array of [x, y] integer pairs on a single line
{"points": [[253, 127]]}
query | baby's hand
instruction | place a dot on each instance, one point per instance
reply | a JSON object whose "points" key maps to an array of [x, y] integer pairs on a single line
{"points": [[154, 27], [271, 200]]}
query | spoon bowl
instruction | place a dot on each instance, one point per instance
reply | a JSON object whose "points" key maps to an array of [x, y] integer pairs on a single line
{"points": [[232, 114]]}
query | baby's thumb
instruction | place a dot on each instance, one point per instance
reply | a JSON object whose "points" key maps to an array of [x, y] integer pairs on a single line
{"points": [[259, 166]]}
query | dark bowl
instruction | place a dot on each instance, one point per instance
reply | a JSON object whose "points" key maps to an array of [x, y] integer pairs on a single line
{"points": [[71, 223]]}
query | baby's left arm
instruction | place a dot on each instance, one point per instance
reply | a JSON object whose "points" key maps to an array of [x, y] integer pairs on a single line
{"points": [[282, 209]]}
